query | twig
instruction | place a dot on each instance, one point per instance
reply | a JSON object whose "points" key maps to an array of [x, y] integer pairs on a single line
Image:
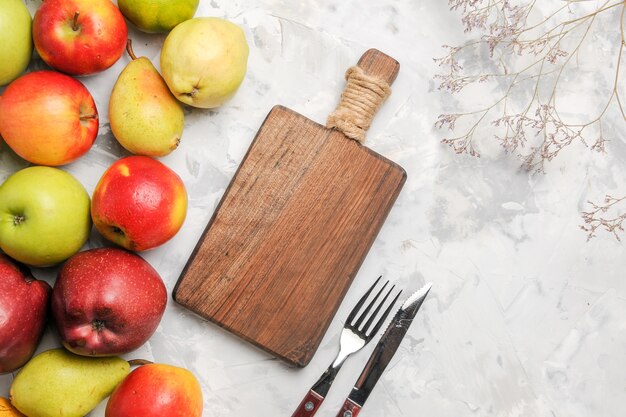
{"points": [[536, 132], [504, 34], [597, 217]]}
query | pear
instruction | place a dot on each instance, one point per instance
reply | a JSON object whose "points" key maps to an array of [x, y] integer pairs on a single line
{"points": [[157, 16], [204, 61], [145, 117], [57, 383]]}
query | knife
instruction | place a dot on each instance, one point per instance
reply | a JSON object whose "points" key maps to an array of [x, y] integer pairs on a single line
{"points": [[383, 352]]}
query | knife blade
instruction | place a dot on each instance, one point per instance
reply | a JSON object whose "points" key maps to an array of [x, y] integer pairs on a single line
{"points": [[383, 352]]}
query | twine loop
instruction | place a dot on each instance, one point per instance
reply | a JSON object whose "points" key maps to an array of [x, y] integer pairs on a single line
{"points": [[359, 102]]}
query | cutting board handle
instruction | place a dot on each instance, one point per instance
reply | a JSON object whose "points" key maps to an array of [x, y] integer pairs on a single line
{"points": [[380, 65], [366, 88]]}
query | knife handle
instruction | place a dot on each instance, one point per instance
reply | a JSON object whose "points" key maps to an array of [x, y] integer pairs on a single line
{"points": [[349, 409], [309, 405]]}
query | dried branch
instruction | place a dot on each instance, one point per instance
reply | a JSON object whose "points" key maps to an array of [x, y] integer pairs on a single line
{"points": [[527, 52], [605, 216]]}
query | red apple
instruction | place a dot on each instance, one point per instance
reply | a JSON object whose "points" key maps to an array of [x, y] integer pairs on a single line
{"points": [[23, 312], [139, 203], [107, 302], [48, 118], [156, 390], [79, 37]]}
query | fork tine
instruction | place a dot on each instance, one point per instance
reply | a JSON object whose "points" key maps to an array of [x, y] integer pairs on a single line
{"points": [[368, 308], [361, 301], [375, 313], [385, 314]]}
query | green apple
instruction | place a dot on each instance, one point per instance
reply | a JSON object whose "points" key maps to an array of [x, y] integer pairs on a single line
{"points": [[16, 40], [44, 216], [157, 16], [204, 60]]}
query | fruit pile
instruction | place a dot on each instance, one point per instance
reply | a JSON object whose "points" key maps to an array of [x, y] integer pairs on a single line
{"points": [[105, 302]]}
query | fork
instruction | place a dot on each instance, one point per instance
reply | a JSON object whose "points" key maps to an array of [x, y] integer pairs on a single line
{"points": [[354, 336]]}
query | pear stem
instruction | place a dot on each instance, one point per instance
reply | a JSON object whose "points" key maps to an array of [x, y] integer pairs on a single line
{"points": [[139, 362], [129, 49], [75, 21]]}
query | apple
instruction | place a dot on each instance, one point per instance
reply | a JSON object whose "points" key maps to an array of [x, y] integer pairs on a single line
{"points": [[48, 118], [79, 37], [156, 390], [44, 216], [157, 16], [7, 409], [139, 203], [204, 61], [23, 312], [16, 41], [107, 302]]}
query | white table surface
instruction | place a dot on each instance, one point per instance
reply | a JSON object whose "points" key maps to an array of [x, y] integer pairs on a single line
{"points": [[526, 318]]}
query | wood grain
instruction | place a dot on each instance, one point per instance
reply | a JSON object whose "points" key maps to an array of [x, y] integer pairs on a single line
{"points": [[291, 232]]}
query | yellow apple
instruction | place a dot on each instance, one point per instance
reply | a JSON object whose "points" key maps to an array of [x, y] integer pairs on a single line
{"points": [[16, 41]]}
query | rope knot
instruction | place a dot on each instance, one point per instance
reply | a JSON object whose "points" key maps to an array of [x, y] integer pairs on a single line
{"points": [[359, 102]]}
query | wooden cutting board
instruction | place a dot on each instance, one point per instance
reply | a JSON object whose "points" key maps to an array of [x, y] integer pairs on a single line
{"points": [[291, 231]]}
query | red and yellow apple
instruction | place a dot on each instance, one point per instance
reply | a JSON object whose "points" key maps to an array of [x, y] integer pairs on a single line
{"points": [[139, 203], [107, 302], [23, 314], [79, 37], [7, 409], [48, 118], [156, 390]]}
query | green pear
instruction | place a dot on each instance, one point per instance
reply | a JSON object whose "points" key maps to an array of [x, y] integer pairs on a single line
{"points": [[145, 117], [157, 16], [57, 383]]}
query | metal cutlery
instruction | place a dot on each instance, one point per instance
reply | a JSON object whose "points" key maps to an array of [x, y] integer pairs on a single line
{"points": [[357, 332], [383, 352]]}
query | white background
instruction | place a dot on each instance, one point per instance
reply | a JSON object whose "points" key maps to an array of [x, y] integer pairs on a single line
{"points": [[526, 318]]}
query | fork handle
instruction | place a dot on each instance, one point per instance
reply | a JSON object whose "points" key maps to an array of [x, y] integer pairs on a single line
{"points": [[313, 399], [349, 409], [309, 405]]}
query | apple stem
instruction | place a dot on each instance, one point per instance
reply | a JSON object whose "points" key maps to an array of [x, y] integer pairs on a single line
{"points": [[75, 22], [139, 362], [88, 117], [129, 49]]}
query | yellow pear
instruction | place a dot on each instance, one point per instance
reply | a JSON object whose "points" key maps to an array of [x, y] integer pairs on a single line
{"points": [[57, 383], [204, 61], [145, 117]]}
